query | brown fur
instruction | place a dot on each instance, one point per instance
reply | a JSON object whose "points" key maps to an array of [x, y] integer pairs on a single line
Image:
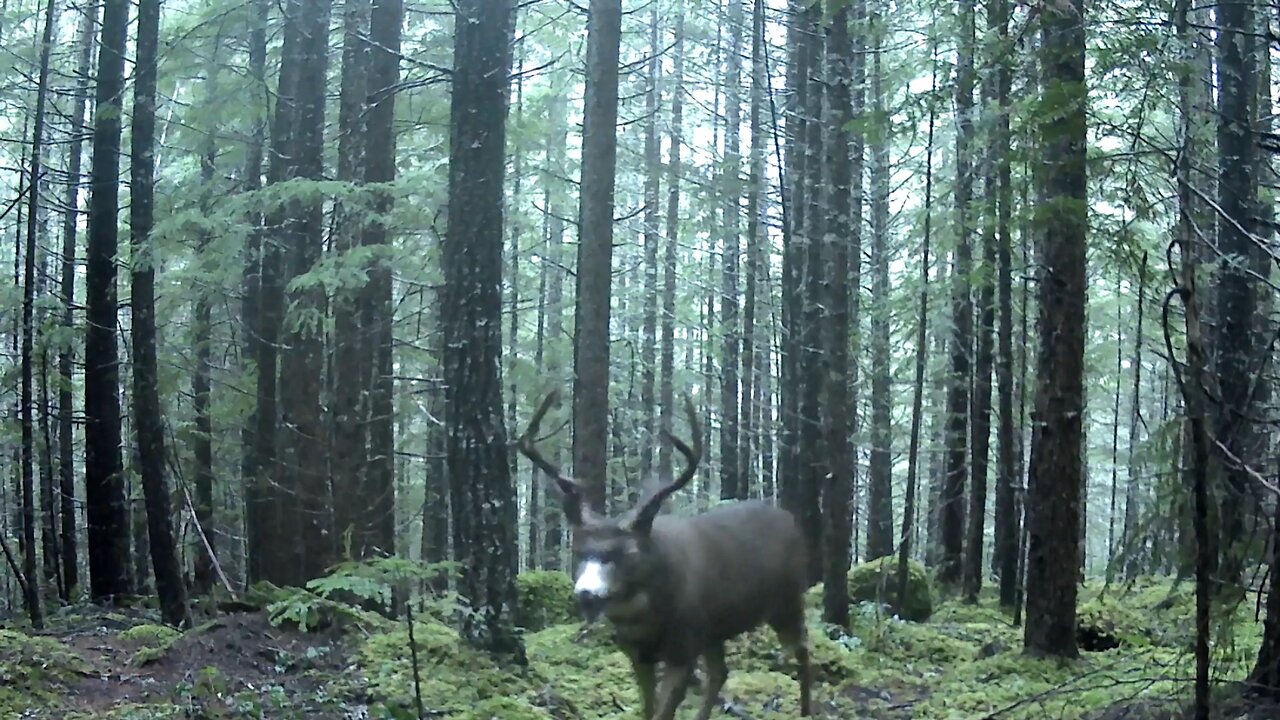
{"points": [[686, 585]]}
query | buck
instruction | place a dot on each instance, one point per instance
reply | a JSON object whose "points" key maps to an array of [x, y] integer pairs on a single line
{"points": [[674, 588]]}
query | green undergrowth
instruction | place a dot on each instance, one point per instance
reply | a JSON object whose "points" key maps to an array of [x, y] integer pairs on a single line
{"points": [[966, 661]]}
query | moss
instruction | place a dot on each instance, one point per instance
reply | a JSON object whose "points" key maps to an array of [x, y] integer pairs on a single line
{"points": [[505, 708], [262, 593], [876, 582], [454, 677], [545, 598], [586, 668], [34, 671], [151, 642], [149, 634]]}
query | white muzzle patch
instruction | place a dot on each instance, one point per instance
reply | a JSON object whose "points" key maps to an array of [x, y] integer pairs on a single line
{"points": [[592, 580]]}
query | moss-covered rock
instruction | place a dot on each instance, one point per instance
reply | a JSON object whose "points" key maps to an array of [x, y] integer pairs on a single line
{"points": [[150, 642], [545, 598], [876, 581]]}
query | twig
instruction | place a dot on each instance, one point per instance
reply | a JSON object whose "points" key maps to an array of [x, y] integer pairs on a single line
{"points": [[413, 655], [17, 572]]}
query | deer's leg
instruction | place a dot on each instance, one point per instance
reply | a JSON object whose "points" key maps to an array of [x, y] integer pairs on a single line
{"points": [[797, 641], [646, 679], [717, 673], [675, 682]]}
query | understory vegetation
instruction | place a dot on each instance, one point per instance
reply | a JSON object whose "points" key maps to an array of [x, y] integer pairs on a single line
{"points": [[306, 655]]}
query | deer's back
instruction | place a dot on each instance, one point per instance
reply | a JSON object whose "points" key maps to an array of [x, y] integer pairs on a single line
{"points": [[744, 564]]}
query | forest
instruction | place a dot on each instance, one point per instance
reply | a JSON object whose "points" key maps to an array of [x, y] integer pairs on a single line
{"points": [[585, 359]]}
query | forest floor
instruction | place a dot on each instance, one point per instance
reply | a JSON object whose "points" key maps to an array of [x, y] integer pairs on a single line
{"points": [[964, 662]]}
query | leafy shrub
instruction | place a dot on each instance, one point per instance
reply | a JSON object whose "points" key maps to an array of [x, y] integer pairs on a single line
{"points": [[877, 582], [545, 598]]}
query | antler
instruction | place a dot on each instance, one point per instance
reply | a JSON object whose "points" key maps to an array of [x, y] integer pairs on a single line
{"points": [[567, 484], [693, 455]]}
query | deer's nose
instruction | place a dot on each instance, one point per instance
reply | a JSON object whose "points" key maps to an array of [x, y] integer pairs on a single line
{"points": [[592, 582]]}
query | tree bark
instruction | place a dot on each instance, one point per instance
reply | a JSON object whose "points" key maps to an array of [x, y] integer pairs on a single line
{"points": [[732, 480], [28, 401], [595, 250], [1056, 468], [385, 28], [922, 343], [304, 459], [148, 418], [202, 572], [809, 370], [842, 254], [556, 201], [652, 232], [985, 357], [951, 517], [793, 185], [880, 472], [482, 490], [252, 475], [1237, 297], [756, 238], [1007, 524], [352, 358], [107, 513], [66, 357], [666, 390], [1131, 546]]}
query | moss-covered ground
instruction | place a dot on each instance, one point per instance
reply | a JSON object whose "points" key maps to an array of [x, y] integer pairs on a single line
{"points": [[965, 661]]}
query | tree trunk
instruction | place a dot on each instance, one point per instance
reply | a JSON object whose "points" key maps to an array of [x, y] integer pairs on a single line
{"points": [[435, 498], [70, 224], [481, 487], [842, 254], [351, 353], [304, 461], [732, 479], [652, 231], [951, 518], [251, 284], [1237, 297], [757, 236], [148, 416], [922, 340], [28, 401], [556, 201], [513, 259], [985, 358], [793, 184], [202, 572], [595, 250], [1053, 549], [666, 390], [809, 370], [880, 472], [1131, 545], [107, 513], [1005, 543], [386, 24], [276, 525]]}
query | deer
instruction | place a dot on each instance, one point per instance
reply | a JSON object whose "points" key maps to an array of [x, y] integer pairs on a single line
{"points": [[675, 588]]}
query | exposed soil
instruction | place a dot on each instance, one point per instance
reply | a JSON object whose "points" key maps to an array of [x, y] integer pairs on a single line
{"points": [[234, 655]]}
